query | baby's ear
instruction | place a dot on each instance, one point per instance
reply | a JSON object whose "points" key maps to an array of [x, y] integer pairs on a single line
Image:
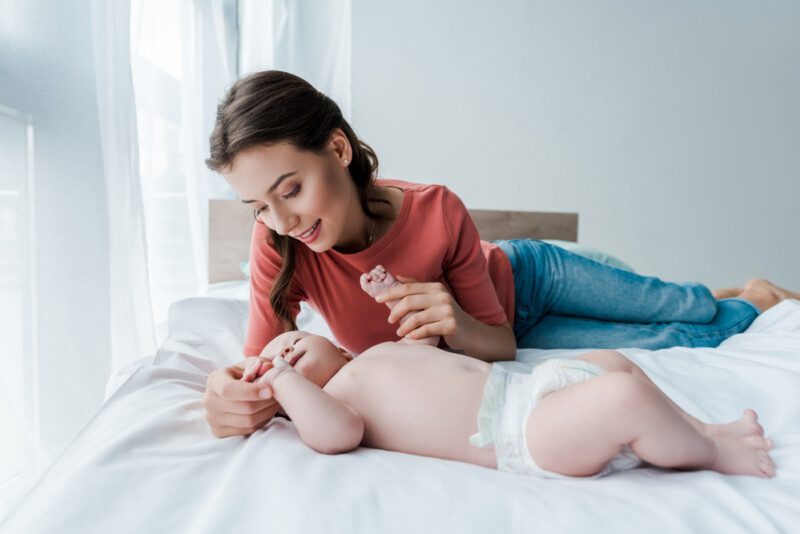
{"points": [[346, 354]]}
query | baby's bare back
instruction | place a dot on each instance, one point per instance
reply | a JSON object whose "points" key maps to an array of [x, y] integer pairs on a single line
{"points": [[416, 399]]}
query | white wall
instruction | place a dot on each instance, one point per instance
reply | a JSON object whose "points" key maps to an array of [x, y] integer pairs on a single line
{"points": [[673, 128]]}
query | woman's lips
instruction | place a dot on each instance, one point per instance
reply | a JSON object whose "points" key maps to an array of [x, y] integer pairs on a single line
{"points": [[314, 234]]}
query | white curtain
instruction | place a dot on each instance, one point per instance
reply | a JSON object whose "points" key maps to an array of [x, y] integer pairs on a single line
{"points": [[310, 38], [132, 332], [183, 58], [104, 124]]}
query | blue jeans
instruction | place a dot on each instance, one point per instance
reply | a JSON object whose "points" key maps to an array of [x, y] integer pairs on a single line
{"points": [[566, 301]]}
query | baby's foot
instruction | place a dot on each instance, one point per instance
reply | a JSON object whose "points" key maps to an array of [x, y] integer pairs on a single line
{"points": [[379, 280], [743, 456], [746, 426]]}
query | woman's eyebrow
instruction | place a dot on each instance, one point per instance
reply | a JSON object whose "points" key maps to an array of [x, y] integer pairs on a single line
{"points": [[274, 186]]}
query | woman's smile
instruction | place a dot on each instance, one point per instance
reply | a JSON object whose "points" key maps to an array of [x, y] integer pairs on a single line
{"points": [[311, 235]]}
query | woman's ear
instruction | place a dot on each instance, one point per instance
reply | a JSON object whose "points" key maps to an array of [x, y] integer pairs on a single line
{"points": [[341, 145]]}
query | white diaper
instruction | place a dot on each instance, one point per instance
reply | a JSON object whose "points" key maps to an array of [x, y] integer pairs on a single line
{"points": [[508, 399]]}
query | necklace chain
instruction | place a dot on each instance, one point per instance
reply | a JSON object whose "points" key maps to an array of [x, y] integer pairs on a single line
{"points": [[371, 233]]}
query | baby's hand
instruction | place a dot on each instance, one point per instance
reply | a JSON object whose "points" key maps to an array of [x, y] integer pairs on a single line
{"points": [[279, 366]]}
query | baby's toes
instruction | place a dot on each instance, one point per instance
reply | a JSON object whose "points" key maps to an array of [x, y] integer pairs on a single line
{"points": [[364, 280], [750, 416], [765, 463], [758, 442], [751, 419]]}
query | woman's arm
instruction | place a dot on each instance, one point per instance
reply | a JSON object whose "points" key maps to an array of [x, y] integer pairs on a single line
{"points": [[444, 317], [486, 342], [324, 423]]}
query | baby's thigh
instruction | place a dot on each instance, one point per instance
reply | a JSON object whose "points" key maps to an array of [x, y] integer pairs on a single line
{"points": [[567, 430], [610, 360]]}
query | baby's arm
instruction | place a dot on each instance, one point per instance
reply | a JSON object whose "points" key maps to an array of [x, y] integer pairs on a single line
{"points": [[324, 423]]}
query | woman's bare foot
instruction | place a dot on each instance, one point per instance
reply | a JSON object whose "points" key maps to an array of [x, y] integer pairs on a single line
{"points": [[726, 293], [764, 294], [379, 280], [743, 456], [746, 426]]}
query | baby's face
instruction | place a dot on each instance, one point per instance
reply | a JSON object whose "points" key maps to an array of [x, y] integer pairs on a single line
{"points": [[314, 357]]}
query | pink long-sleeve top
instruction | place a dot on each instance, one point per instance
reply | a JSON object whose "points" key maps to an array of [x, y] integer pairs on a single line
{"points": [[432, 239]]}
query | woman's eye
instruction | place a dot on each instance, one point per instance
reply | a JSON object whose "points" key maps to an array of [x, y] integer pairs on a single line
{"points": [[258, 211], [293, 193]]}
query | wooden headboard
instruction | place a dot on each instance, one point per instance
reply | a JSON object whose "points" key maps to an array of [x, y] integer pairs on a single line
{"points": [[231, 224]]}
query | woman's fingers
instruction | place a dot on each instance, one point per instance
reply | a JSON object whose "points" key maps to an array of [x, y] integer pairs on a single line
{"points": [[246, 422], [427, 327], [226, 384], [415, 320], [222, 406], [235, 406], [229, 418], [426, 330], [251, 369], [256, 368], [410, 304], [399, 291]]}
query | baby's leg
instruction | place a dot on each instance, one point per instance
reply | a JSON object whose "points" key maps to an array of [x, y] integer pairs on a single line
{"points": [[611, 360], [576, 431], [379, 280]]}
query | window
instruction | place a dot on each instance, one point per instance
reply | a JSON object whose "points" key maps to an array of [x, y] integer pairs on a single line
{"points": [[17, 318]]}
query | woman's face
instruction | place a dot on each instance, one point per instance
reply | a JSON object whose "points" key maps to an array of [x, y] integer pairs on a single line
{"points": [[314, 357], [307, 196]]}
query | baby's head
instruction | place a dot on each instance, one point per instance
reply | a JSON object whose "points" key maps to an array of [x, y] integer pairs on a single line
{"points": [[314, 357]]}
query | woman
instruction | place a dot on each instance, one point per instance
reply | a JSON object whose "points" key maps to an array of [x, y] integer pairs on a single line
{"points": [[323, 219]]}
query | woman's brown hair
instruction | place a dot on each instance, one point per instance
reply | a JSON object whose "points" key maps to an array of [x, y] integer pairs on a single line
{"points": [[271, 107]]}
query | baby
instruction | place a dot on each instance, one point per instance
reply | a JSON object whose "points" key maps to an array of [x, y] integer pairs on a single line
{"points": [[585, 417]]}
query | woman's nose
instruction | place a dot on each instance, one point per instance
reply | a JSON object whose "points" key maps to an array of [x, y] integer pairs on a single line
{"points": [[283, 223]]}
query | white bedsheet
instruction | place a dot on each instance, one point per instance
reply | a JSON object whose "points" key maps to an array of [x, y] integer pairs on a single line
{"points": [[147, 462]]}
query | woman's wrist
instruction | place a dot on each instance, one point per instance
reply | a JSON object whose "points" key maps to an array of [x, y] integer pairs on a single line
{"points": [[489, 342]]}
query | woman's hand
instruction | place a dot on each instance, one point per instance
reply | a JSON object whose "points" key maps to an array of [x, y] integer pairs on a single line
{"points": [[236, 407], [433, 311]]}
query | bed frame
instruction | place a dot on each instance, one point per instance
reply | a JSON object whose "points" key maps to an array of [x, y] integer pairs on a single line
{"points": [[231, 224]]}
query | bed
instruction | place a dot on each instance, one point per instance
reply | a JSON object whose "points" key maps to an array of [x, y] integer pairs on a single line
{"points": [[147, 462]]}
